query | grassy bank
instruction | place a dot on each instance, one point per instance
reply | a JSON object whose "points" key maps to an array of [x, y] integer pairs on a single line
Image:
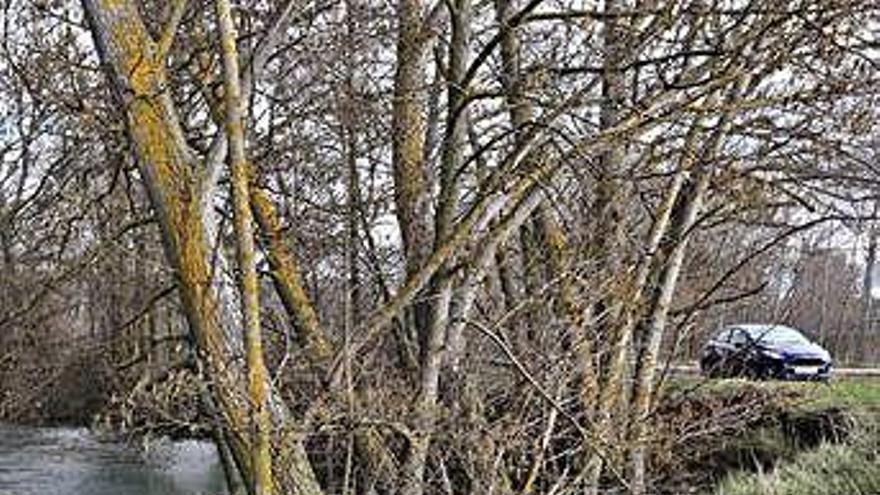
{"points": [[844, 464]]}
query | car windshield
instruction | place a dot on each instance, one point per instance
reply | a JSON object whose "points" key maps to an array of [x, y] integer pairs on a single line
{"points": [[777, 335]]}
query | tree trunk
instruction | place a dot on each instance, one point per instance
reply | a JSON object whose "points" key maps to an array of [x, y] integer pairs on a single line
{"points": [[608, 243], [543, 242], [287, 280], [167, 167], [866, 331], [411, 180], [442, 283], [260, 455], [648, 354]]}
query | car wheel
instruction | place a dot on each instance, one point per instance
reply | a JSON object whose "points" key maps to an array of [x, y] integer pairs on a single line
{"points": [[710, 369], [755, 372], [774, 371], [706, 370]]}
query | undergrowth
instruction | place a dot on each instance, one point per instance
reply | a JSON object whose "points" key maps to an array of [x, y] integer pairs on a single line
{"points": [[851, 468], [848, 466]]}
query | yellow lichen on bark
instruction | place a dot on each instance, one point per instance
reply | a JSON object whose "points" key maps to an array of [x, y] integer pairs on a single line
{"points": [[285, 273], [169, 179], [260, 455], [169, 172]]}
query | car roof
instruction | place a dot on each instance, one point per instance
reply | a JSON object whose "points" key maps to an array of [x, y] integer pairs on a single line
{"points": [[758, 329], [761, 327]]}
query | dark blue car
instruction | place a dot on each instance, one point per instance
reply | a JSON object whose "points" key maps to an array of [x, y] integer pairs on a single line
{"points": [[764, 351]]}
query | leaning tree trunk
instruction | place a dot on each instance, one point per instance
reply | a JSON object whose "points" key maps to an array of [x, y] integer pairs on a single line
{"points": [[260, 455], [648, 354], [168, 168]]}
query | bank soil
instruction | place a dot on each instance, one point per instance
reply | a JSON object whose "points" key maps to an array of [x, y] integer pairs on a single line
{"points": [[705, 432]]}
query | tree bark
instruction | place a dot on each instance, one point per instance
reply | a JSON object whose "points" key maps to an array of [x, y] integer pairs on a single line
{"points": [[260, 456], [867, 326], [167, 166], [607, 244], [647, 357], [412, 189]]}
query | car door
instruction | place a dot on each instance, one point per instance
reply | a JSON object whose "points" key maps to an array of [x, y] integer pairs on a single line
{"points": [[739, 342], [715, 353]]}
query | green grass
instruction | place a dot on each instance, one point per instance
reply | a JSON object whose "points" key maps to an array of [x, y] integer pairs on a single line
{"points": [[848, 468], [852, 393], [852, 468], [849, 393]]}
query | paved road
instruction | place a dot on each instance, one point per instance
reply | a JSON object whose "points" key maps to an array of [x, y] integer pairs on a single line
{"points": [[694, 369]]}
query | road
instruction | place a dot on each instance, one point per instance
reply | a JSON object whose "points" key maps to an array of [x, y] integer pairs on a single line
{"points": [[694, 369]]}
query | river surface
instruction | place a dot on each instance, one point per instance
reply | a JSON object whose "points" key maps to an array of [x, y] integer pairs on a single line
{"points": [[75, 461]]}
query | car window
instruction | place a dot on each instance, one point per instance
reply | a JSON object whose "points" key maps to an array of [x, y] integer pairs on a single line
{"points": [[723, 336], [737, 336], [778, 335]]}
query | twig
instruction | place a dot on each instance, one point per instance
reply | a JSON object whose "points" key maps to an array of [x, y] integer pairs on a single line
{"points": [[167, 39], [590, 440]]}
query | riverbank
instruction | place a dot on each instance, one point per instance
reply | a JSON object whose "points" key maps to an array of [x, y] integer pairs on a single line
{"points": [[713, 437], [82, 394], [847, 468], [814, 439]]}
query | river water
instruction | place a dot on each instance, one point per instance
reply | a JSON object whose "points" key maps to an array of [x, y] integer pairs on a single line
{"points": [[74, 461]]}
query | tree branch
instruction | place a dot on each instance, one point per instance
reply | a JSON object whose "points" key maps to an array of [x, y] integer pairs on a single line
{"points": [[178, 8]]}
